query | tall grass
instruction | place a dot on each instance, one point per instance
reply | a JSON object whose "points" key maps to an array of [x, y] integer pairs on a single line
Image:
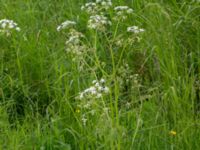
{"points": [[39, 82]]}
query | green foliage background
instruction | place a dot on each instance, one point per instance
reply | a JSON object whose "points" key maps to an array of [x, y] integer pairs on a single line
{"points": [[39, 82]]}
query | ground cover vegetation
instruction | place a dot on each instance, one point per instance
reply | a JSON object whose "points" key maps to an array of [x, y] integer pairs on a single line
{"points": [[120, 74]]}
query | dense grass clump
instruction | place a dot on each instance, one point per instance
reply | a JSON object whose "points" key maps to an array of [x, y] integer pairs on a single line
{"points": [[120, 74]]}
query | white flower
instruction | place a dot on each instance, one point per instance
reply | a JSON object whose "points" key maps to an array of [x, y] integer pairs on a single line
{"points": [[74, 45], [18, 29], [106, 90], [84, 120], [90, 7], [92, 90], [120, 8], [87, 106], [81, 95], [100, 88], [135, 29], [94, 81], [74, 37], [102, 80], [7, 26], [104, 3], [122, 12], [96, 7], [98, 22], [65, 25], [99, 95], [129, 11], [95, 91]]}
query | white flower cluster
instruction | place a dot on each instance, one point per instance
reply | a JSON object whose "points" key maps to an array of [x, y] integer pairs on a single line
{"points": [[106, 4], [84, 119], [122, 12], [7, 26], [74, 45], [96, 7], [98, 22], [74, 37], [135, 29], [90, 8], [95, 91], [135, 34], [65, 25]]}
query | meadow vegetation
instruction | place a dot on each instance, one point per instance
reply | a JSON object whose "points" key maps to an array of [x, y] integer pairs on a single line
{"points": [[107, 75]]}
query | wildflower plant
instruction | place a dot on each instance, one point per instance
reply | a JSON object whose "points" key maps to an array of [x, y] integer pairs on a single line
{"points": [[97, 90], [90, 8], [104, 4], [152, 84], [90, 99], [74, 44], [134, 34], [8, 26], [90, 96], [135, 29], [99, 22], [98, 7], [66, 25], [97, 11], [122, 12]]}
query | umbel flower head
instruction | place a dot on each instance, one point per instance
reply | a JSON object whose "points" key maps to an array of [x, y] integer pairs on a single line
{"points": [[75, 46], [90, 8], [7, 26], [122, 12], [96, 7], [66, 25], [95, 91], [135, 32], [98, 22], [135, 29], [106, 4]]}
